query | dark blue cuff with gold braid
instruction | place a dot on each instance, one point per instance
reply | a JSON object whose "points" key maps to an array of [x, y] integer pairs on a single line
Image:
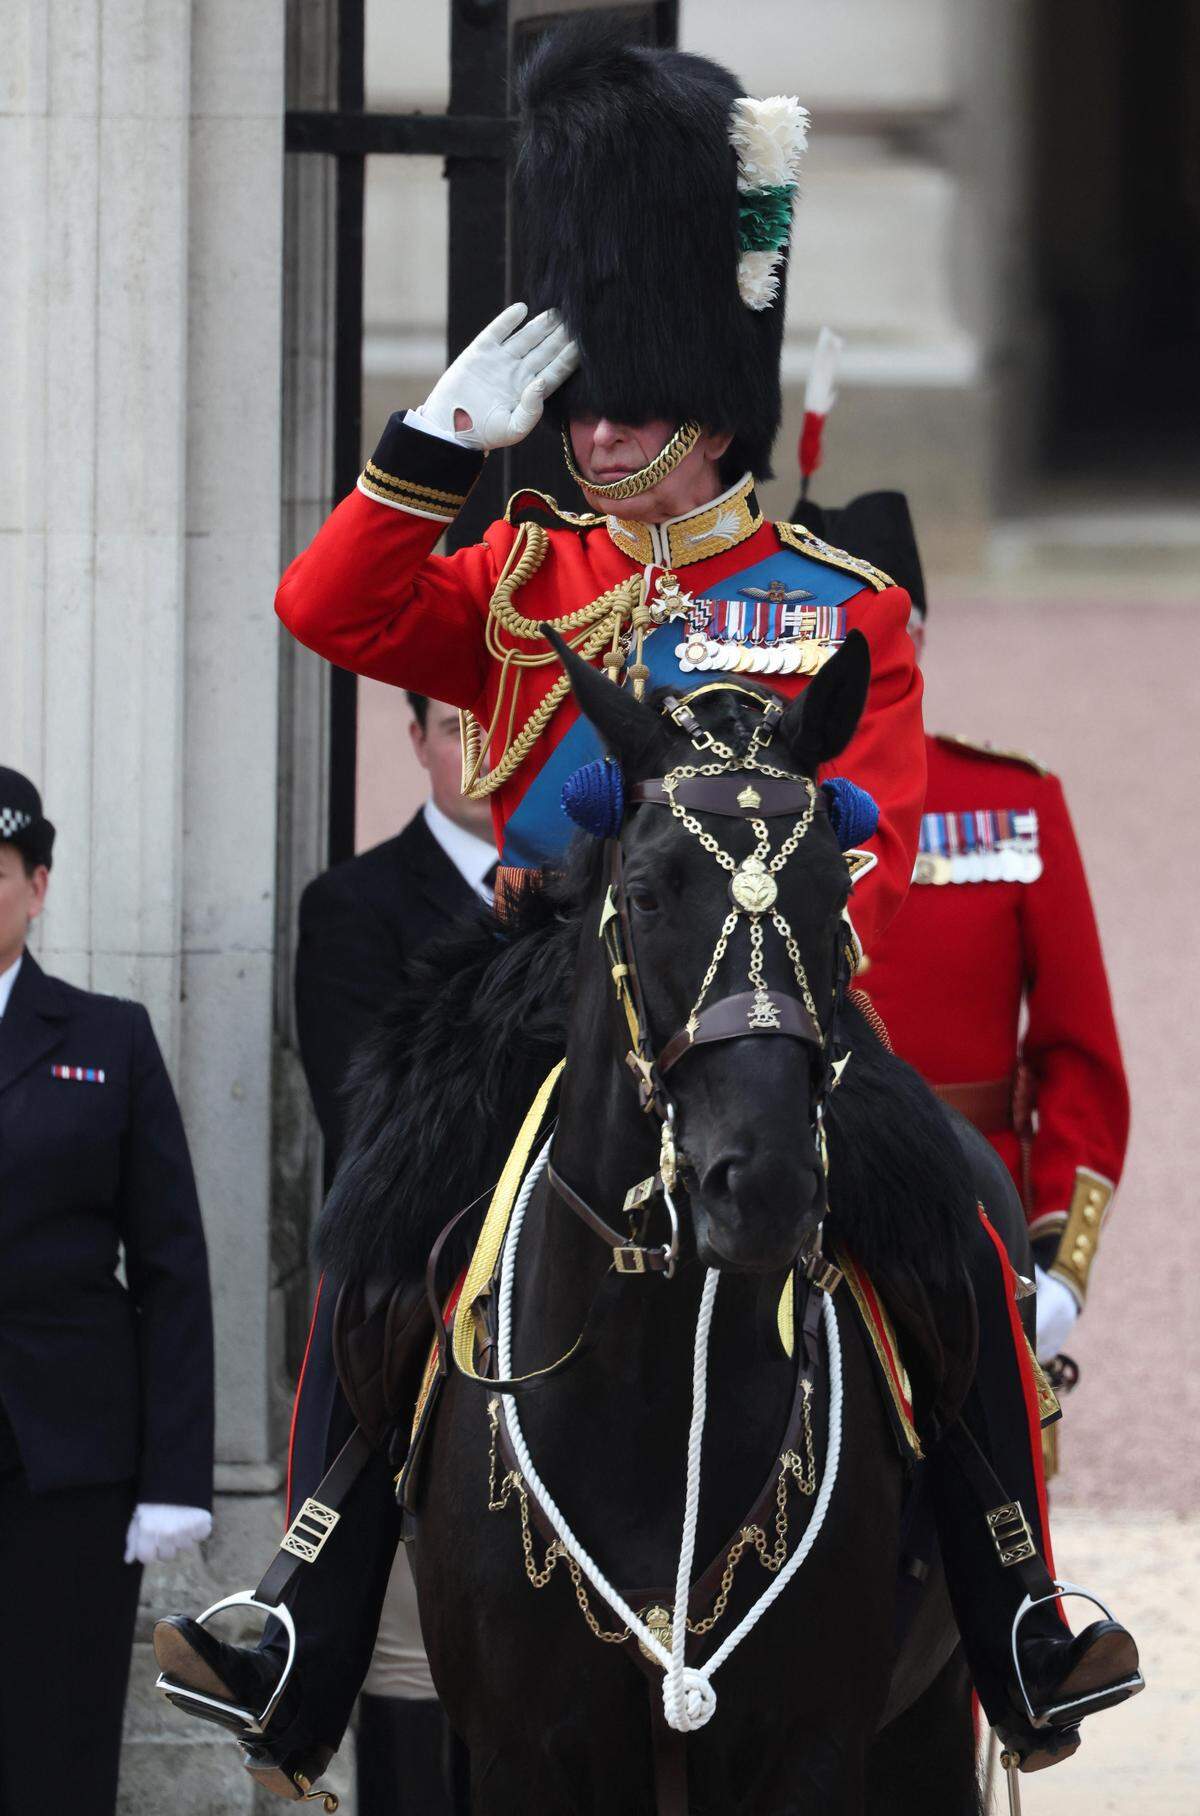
{"points": [[420, 473]]}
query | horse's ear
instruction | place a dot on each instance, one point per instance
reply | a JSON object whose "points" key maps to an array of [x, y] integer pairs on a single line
{"points": [[626, 725], [819, 724]]}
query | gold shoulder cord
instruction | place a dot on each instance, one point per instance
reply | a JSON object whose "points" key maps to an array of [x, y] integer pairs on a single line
{"points": [[795, 536], [595, 625]]}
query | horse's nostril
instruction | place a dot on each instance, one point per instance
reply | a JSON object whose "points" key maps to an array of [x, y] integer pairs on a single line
{"points": [[722, 1176]]}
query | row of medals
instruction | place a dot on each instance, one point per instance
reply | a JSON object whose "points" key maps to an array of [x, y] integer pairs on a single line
{"points": [[1009, 864], [703, 655]]}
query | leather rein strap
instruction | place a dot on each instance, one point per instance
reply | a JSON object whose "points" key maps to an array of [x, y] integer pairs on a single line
{"points": [[727, 1020], [770, 797]]}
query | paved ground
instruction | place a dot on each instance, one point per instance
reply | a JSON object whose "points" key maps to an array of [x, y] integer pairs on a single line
{"points": [[1105, 693], [1102, 688]]}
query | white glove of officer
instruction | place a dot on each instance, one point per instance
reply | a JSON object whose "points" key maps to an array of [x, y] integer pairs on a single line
{"points": [[159, 1531], [501, 380], [1057, 1310]]}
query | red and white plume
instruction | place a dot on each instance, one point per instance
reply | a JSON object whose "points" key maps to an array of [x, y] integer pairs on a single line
{"points": [[820, 395]]}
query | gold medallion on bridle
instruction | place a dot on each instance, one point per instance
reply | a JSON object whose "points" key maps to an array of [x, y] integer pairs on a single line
{"points": [[752, 887]]}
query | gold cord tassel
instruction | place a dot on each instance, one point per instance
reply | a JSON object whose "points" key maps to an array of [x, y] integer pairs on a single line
{"points": [[594, 625]]}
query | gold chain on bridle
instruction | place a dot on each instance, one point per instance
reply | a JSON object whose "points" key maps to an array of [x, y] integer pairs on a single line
{"points": [[759, 865]]}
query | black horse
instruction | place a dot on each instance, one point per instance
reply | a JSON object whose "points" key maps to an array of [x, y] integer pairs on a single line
{"points": [[850, 1694]]}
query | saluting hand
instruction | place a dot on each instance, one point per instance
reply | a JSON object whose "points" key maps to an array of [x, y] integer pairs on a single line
{"points": [[492, 395]]}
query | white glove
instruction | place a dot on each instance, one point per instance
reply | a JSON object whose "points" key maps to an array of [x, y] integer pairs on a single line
{"points": [[502, 380], [158, 1531], [1057, 1310]]}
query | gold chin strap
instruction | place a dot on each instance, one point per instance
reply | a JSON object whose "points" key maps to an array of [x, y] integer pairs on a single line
{"points": [[678, 448]]}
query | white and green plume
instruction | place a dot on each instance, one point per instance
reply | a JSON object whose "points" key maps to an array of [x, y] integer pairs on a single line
{"points": [[769, 138]]}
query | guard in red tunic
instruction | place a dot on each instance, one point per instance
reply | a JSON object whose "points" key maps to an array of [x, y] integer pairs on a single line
{"points": [[654, 202], [999, 929], [999, 920]]}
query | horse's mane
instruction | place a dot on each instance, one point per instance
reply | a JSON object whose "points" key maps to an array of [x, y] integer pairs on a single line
{"points": [[438, 1090]]}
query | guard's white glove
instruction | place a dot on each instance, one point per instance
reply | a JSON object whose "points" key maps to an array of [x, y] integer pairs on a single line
{"points": [[1057, 1310], [502, 380], [159, 1531]]}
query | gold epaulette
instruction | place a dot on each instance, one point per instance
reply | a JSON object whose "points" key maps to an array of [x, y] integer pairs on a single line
{"points": [[980, 747], [795, 536], [574, 520]]}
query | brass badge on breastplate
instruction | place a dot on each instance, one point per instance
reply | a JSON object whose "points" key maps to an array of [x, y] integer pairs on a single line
{"points": [[763, 1014], [658, 1619], [752, 887]]}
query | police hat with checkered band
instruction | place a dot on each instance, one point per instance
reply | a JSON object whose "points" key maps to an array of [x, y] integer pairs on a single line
{"points": [[22, 822]]}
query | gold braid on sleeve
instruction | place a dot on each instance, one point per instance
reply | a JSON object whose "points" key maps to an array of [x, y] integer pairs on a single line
{"points": [[596, 625]]}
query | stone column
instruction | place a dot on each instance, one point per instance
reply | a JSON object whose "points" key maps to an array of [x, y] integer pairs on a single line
{"points": [[93, 317], [140, 304]]}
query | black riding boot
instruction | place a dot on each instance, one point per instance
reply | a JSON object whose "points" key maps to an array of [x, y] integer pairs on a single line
{"points": [[989, 1496], [403, 1749], [335, 1601]]}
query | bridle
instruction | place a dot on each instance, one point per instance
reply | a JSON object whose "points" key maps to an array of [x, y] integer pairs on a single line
{"points": [[749, 788]]}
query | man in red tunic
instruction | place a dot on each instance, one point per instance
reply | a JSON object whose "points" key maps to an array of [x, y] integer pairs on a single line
{"points": [[668, 363], [997, 931], [999, 920]]}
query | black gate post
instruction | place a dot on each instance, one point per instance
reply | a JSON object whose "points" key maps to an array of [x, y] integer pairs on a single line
{"points": [[478, 204], [347, 407], [486, 37]]}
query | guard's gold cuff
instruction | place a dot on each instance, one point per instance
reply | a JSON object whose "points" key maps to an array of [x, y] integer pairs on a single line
{"points": [[1081, 1232]]}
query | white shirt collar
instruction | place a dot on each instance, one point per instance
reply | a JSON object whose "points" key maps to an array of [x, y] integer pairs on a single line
{"points": [[7, 980], [471, 856]]}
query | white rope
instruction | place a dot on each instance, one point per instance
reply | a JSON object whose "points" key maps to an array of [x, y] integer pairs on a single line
{"points": [[689, 1699]]}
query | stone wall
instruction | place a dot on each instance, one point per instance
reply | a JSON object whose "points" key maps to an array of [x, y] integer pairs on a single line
{"points": [[140, 291]]}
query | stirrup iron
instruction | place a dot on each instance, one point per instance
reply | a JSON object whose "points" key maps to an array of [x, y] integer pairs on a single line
{"points": [[1076, 1707], [242, 1722]]}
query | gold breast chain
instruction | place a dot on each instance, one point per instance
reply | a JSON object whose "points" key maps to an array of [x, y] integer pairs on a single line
{"points": [[794, 1468]]}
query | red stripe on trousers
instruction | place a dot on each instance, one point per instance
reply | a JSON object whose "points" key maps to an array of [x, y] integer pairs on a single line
{"points": [[296, 1401], [1028, 1387]]}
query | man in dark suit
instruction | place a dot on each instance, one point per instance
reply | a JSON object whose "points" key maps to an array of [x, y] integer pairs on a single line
{"points": [[106, 1388], [362, 919], [359, 922]]}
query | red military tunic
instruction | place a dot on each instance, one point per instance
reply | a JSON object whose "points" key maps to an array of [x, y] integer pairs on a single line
{"points": [[963, 959], [370, 595]]}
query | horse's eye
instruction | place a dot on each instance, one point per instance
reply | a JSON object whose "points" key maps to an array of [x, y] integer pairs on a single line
{"points": [[643, 901]]}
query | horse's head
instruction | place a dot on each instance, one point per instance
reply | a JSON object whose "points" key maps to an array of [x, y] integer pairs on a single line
{"points": [[722, 891]]}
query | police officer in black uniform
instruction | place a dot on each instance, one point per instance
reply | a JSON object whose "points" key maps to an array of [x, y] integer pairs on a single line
{"points": [[106, 1384]]}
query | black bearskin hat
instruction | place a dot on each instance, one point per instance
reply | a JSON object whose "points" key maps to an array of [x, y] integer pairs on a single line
{"points": [[629, 219]]}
